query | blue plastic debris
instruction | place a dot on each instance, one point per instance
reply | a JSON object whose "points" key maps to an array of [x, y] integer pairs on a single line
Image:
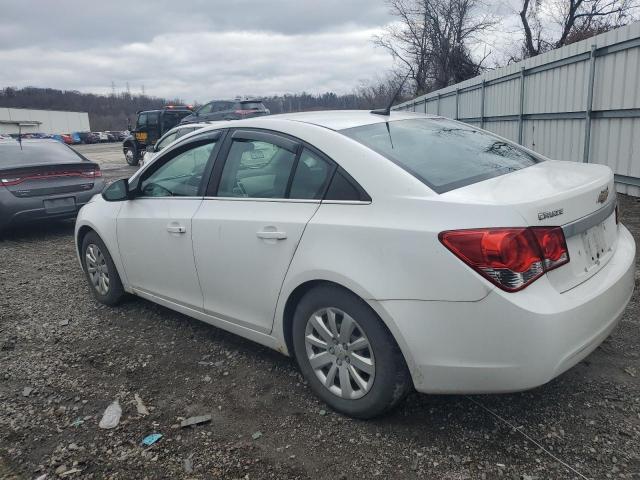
{"points": [[151, 439]]}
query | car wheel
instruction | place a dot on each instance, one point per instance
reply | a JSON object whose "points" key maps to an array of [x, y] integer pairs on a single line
{"points": [[347, 354], [100, 271], [131, 156]]}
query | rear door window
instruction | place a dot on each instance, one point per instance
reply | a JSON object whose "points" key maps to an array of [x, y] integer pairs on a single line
{"points": [[256, 169], [311, 176], [443, 154]]}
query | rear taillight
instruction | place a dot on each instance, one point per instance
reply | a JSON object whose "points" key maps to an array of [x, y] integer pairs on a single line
{"points": [[10, 179], [511, 258], [246, 112], [92, 173]]}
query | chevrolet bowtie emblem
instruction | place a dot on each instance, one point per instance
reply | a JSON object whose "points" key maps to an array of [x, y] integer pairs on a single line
{"points": [[603, 195]]}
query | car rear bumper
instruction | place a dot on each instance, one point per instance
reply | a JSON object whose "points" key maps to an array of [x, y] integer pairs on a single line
{"points": [[15, 210], [511, 341]]}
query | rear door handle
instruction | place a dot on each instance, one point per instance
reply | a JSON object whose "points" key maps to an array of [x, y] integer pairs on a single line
{"points": [[271, 235], [176, 228]]}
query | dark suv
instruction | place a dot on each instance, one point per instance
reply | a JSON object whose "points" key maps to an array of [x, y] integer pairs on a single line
{"points": [[150, 126], [227, 110]]}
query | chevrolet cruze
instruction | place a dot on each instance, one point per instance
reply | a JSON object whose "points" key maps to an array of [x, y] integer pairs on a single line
{"points": [[385, 252]]}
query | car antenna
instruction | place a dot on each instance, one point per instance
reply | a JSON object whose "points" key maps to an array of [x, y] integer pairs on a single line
{"points": [[387, 111]]}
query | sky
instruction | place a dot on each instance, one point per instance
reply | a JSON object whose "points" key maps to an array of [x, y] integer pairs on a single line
{"points": [[197, 50]]}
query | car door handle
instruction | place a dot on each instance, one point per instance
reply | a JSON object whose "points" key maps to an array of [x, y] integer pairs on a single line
{"points": [[271, 235], [176, 229]]}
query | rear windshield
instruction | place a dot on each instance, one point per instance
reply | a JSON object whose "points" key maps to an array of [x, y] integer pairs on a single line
{"points": [[441, 153], [36, 153]]}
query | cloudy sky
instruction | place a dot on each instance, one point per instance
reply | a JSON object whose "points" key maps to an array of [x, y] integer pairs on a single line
{"points": [[194, 49]]}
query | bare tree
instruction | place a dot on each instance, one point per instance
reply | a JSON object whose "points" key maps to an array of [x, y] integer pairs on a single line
{"points": [[431, 40], [572, 20]]}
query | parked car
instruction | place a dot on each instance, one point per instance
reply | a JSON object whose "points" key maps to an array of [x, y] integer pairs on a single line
{"points": [[75, 136], [172, 135], [66, 138], [118, 135], [150, 126], [44, 179], [102, 137], [227, 110], [88, 137], [382, 251]]}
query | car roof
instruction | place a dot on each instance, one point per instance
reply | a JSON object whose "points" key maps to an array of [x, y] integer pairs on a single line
{"points": [[341, 119]]}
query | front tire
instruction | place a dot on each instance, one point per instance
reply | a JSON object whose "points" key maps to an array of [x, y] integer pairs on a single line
{"points": [[347, 355], [100, 271], [131, 155]]}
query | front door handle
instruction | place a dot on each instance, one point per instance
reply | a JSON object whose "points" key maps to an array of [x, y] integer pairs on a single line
{"points": [[176, 228], [271, 235]]}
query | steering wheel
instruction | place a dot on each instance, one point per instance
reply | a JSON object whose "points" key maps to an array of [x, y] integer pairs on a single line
{"points": [[156, 190]]}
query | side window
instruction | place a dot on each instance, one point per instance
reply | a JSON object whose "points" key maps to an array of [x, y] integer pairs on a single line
{"points": [[181, 176], [256, 169], [311, 177], [342, 189], [166, 141], [222, 106], [183, 131], [152, 119], [142, 120], [205, 109]]}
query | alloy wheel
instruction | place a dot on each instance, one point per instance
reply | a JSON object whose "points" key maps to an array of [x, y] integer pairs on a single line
{"points": [[340, 353], [97, 268]]}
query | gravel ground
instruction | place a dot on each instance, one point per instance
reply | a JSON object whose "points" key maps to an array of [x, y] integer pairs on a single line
{"points": [[64, 358]]}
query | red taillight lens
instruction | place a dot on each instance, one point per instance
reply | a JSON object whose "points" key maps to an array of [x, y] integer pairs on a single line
{"points": [[11, 180], [552, 245], [92, 173], [511, 258]]}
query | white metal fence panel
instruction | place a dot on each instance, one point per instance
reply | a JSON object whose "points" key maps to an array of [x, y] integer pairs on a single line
{"points": [[580, 103]]}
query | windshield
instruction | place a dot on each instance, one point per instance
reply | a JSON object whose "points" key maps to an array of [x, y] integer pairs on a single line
{"points": [[441, 153]]}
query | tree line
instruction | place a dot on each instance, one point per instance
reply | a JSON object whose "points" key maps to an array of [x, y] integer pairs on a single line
{"points": [[113, 112]]}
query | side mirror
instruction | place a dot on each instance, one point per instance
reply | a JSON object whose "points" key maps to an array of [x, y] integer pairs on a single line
{"points": [[118, 191]]}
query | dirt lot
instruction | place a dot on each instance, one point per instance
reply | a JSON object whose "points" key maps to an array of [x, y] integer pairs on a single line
{"points": [[78, 356]]}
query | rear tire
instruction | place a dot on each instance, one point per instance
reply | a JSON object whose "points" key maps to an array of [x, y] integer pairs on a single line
{"points": [[358, 371], [131, 155], [100, 271]]}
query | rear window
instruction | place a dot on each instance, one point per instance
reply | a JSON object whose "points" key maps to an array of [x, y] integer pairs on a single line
{"points": [[443, 154], [36, 153]]}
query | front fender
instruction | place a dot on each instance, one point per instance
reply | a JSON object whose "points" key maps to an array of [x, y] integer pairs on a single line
{"points": [[101, 217]]}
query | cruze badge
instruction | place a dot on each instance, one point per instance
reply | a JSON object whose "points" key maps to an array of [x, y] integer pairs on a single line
{"points": [[603, 195], [551, 214]]}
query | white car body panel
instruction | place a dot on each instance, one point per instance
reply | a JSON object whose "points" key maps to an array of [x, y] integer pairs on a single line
{"points": [[458, 332], [246, 260], [157, 256]]}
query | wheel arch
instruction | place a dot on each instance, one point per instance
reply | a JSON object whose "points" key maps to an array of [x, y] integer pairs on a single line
{"points": [[300, 290], [110, 243]]}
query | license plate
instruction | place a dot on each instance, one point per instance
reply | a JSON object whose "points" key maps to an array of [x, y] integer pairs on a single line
{"points": [[141, 136], [60, 205], [595, 244]]}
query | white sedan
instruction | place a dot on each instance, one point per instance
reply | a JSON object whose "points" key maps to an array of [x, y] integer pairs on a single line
{"points": [[384, 252]]}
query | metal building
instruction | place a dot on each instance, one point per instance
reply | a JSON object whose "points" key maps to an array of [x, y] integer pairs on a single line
{"points": [[15, 120], [580, 102]]}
